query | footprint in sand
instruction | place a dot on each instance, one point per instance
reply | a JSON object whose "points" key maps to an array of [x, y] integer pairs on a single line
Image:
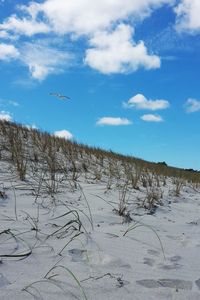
{"points": [[170, 264], [198, 283], [3, 280], [149, 261], [77, 254], [174, 266], [153, 252], [166, 283], [175, 258], [95, 257]]}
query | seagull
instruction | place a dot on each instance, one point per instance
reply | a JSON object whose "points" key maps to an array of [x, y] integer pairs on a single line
{"points": [[62, 97]]}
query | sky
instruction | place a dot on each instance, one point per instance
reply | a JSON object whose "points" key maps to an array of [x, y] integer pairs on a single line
{"points": [[131, 69]]}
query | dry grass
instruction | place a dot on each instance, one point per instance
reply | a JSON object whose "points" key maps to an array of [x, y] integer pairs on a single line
{"points": [[56, 156], [48, 165]]}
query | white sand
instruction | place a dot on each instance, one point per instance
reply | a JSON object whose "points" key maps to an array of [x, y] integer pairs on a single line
{"points": [[107, 264]]}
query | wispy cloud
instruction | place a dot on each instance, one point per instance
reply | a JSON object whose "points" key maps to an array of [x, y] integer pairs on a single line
{"points": [[139, 101], [6, 102], [24, 26], [43, 60], [4, 34], [152, 118], [64, 134], [5, 116], [13, 103], [116, 52], [8, 52], [192, 105], [25, 82], [168, 40], [113, 121]]}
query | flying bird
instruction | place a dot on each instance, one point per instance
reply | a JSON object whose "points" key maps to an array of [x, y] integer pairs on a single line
{"points": [[62, 97]]}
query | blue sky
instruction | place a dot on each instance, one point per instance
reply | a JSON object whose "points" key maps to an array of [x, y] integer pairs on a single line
{"points": [[131, 69]]}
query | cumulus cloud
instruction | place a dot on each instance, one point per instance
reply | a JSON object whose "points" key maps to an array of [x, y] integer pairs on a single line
{"points": [[5, 116], [188, 12], [139, 101], [113, 121], [4, 34], [80, 16], [64, 134], [111, 47], [116, 52], [152, 118], [33, 126], [192, 105], [43, 60], [24, 26], [8, 52]]}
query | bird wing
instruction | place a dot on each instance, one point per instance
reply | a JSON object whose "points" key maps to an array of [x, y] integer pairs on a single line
{"points": [[59, 96], [64, 97], [54, 94]]}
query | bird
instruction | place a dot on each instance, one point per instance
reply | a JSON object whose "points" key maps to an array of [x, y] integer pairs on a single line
{"points": [[62, 97]]}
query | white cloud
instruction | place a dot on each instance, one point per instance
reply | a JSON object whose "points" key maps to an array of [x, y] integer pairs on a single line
{"points": [[139, 101], [24, 26], [188, 12], [43, 60], [192, 105], [116, 52], [4, 34], [13, 103], [152, 118], [113, 121], [33, 126], [96, 20], [5, 116], [63, 134], [79, 17], [89, 16], [8, 52], [5, 102]]}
